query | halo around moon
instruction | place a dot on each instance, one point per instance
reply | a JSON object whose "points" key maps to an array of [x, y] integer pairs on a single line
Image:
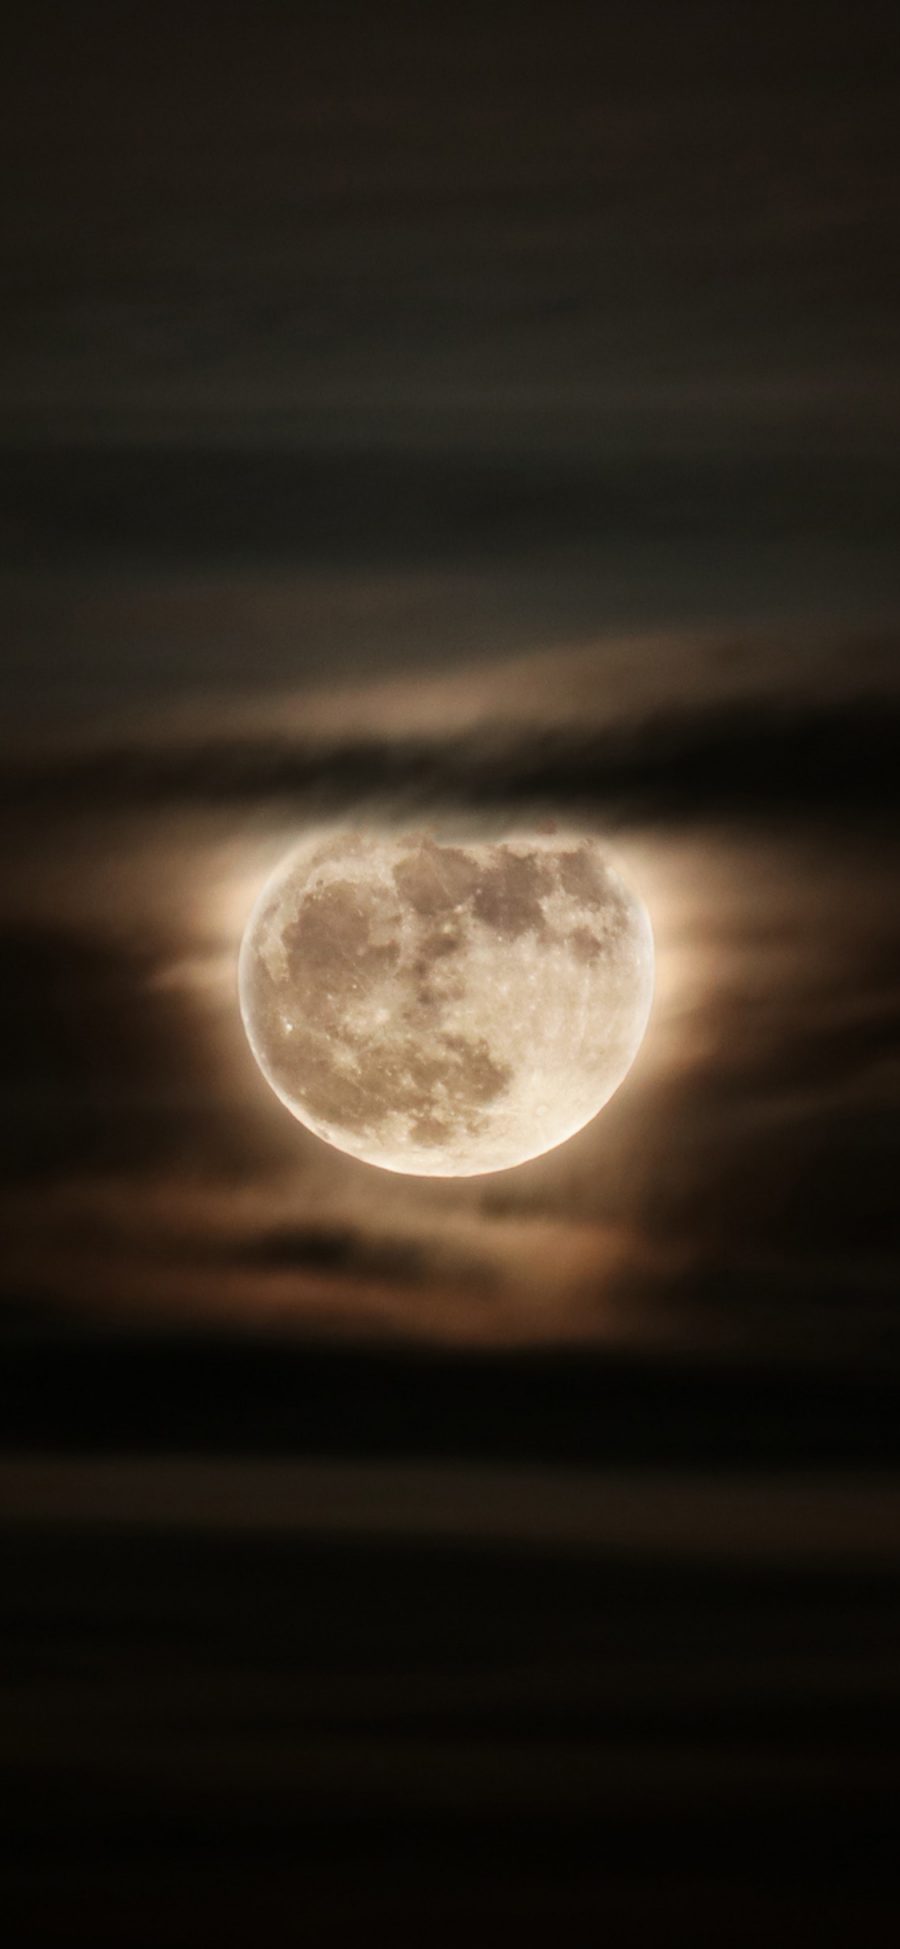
{"points": [[445, 1009]]}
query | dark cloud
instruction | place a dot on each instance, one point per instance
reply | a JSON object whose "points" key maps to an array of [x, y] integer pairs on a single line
{"points": [[105, 1069], [344, 1251], [491, 214], [755, 761], [393, 508], [334, 1249]]}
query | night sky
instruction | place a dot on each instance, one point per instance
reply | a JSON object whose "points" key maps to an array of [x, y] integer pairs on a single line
{"points": [[465, 419]]}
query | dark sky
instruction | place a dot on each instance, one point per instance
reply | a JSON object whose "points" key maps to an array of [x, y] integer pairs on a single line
{"points": [[470, 417]]}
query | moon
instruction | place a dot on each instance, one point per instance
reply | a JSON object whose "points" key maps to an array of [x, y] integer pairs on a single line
{"points": [[445, 1009]]}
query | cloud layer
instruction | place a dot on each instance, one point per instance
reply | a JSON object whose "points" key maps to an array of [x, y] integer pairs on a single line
{"points": [[743, 1174]]}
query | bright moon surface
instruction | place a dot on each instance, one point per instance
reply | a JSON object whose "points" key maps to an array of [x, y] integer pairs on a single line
{"points": [[446, 1009]]}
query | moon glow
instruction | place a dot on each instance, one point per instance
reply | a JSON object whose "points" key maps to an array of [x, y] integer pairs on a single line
{"points": [[445, 1009]]}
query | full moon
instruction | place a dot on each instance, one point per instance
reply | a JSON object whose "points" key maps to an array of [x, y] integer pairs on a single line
{"points": [[445, 1009]]}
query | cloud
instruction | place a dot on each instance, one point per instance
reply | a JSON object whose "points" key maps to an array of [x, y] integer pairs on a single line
{"points": [[335, 1249], [106, 1067], [748, 1157], [392, 508], [755, 761], [659, 228]]}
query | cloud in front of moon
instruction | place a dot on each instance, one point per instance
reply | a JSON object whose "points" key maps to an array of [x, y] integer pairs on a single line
{"points": [[446, 1009]]}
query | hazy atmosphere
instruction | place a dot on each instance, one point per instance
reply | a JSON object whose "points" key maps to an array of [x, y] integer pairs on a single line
{"points": [[475, 424]]}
